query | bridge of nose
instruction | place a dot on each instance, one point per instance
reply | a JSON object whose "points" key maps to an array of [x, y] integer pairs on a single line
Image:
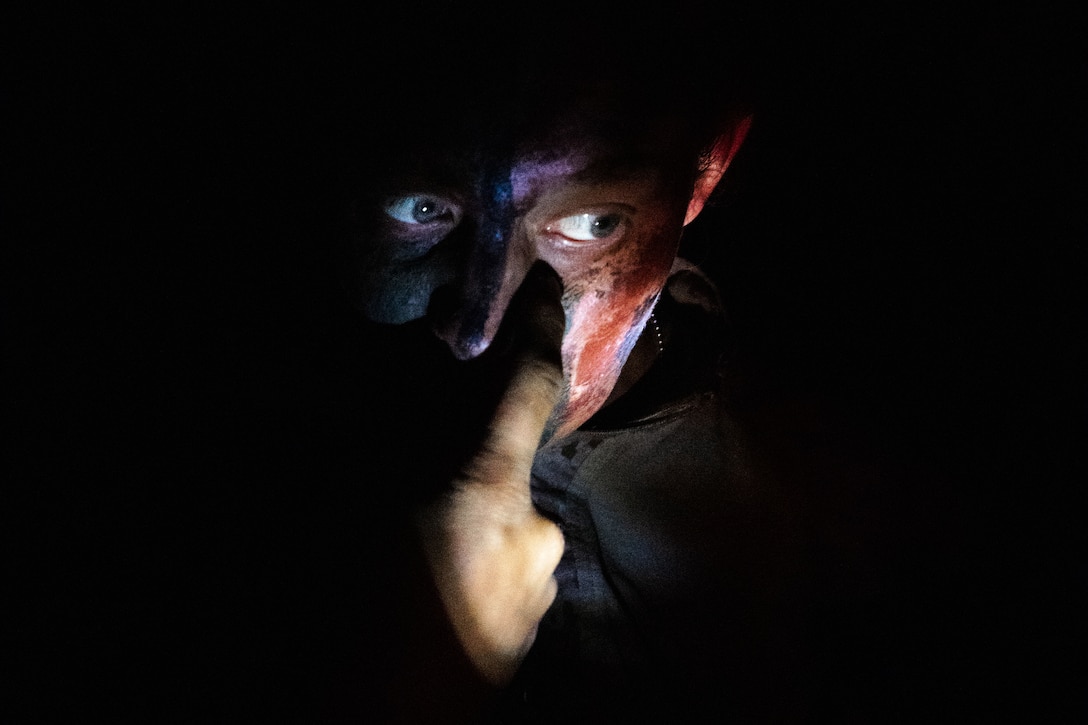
{"points": [[497, 262]]}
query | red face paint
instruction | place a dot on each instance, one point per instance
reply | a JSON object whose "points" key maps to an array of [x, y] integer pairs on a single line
{"points": [[609, 228]]}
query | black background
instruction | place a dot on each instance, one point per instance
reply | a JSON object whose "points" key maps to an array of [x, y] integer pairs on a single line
{"points": [[902, 236]]}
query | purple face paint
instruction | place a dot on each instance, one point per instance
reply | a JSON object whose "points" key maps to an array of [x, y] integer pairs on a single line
{"points": [[611, 232]]}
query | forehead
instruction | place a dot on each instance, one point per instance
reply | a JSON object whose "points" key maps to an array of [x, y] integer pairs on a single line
{"points": [[582, 148]]}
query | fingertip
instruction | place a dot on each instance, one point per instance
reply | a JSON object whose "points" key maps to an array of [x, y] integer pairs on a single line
{"points": [[548, 277], [536, 318], [552, 316]]}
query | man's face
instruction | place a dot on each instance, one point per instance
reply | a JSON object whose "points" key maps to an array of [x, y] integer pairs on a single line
{"points": [[451, 239]]}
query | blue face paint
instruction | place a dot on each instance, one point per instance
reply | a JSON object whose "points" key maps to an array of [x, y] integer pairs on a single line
{"points": [[489, 256]]}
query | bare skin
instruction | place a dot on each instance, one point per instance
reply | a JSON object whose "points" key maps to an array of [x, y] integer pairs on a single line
{"points": [[491, 554]]}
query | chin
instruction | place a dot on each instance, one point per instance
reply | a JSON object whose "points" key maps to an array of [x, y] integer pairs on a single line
{"points": [[555, 431], [558, 426], [568, 416]]}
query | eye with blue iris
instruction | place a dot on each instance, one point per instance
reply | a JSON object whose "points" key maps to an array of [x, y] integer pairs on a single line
{"points": [[588, 227], [422, 209]]}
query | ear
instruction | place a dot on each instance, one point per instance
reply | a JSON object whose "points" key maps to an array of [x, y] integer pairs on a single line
{"points": [[725, 148]]}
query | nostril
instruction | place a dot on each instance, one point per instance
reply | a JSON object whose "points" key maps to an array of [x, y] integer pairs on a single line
{"points": [[464, 343], [451, 324]]}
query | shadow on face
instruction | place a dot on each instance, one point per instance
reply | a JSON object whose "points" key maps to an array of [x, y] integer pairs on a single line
{"points": [[478, 161]]}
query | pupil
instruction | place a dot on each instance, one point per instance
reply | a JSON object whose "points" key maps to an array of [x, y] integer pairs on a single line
{"points": [[425, 210], [603, 226]]}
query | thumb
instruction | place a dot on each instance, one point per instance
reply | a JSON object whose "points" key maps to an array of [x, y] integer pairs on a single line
{"points": [[530, 339]]}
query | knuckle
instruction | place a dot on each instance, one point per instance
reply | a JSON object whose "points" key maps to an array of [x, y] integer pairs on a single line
{"points": [[547, 373], [551, 539]]}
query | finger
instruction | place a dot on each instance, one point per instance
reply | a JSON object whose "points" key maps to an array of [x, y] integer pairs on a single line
{"points": [[547, 597], [547, 549], [532, 336]]}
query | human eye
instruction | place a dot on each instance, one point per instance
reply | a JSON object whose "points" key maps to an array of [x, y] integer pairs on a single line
{"points": [[422, 209], [587, 227]]}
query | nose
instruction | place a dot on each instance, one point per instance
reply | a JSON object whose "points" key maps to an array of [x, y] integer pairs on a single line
{"points": [[472, 311]]}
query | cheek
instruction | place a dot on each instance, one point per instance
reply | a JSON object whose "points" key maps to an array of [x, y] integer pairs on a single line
{"points": [[396, 297], [393, 290], [607, 309]]}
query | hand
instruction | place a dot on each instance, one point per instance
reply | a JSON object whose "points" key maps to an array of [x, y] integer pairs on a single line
{"points": [[491, 554]]}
